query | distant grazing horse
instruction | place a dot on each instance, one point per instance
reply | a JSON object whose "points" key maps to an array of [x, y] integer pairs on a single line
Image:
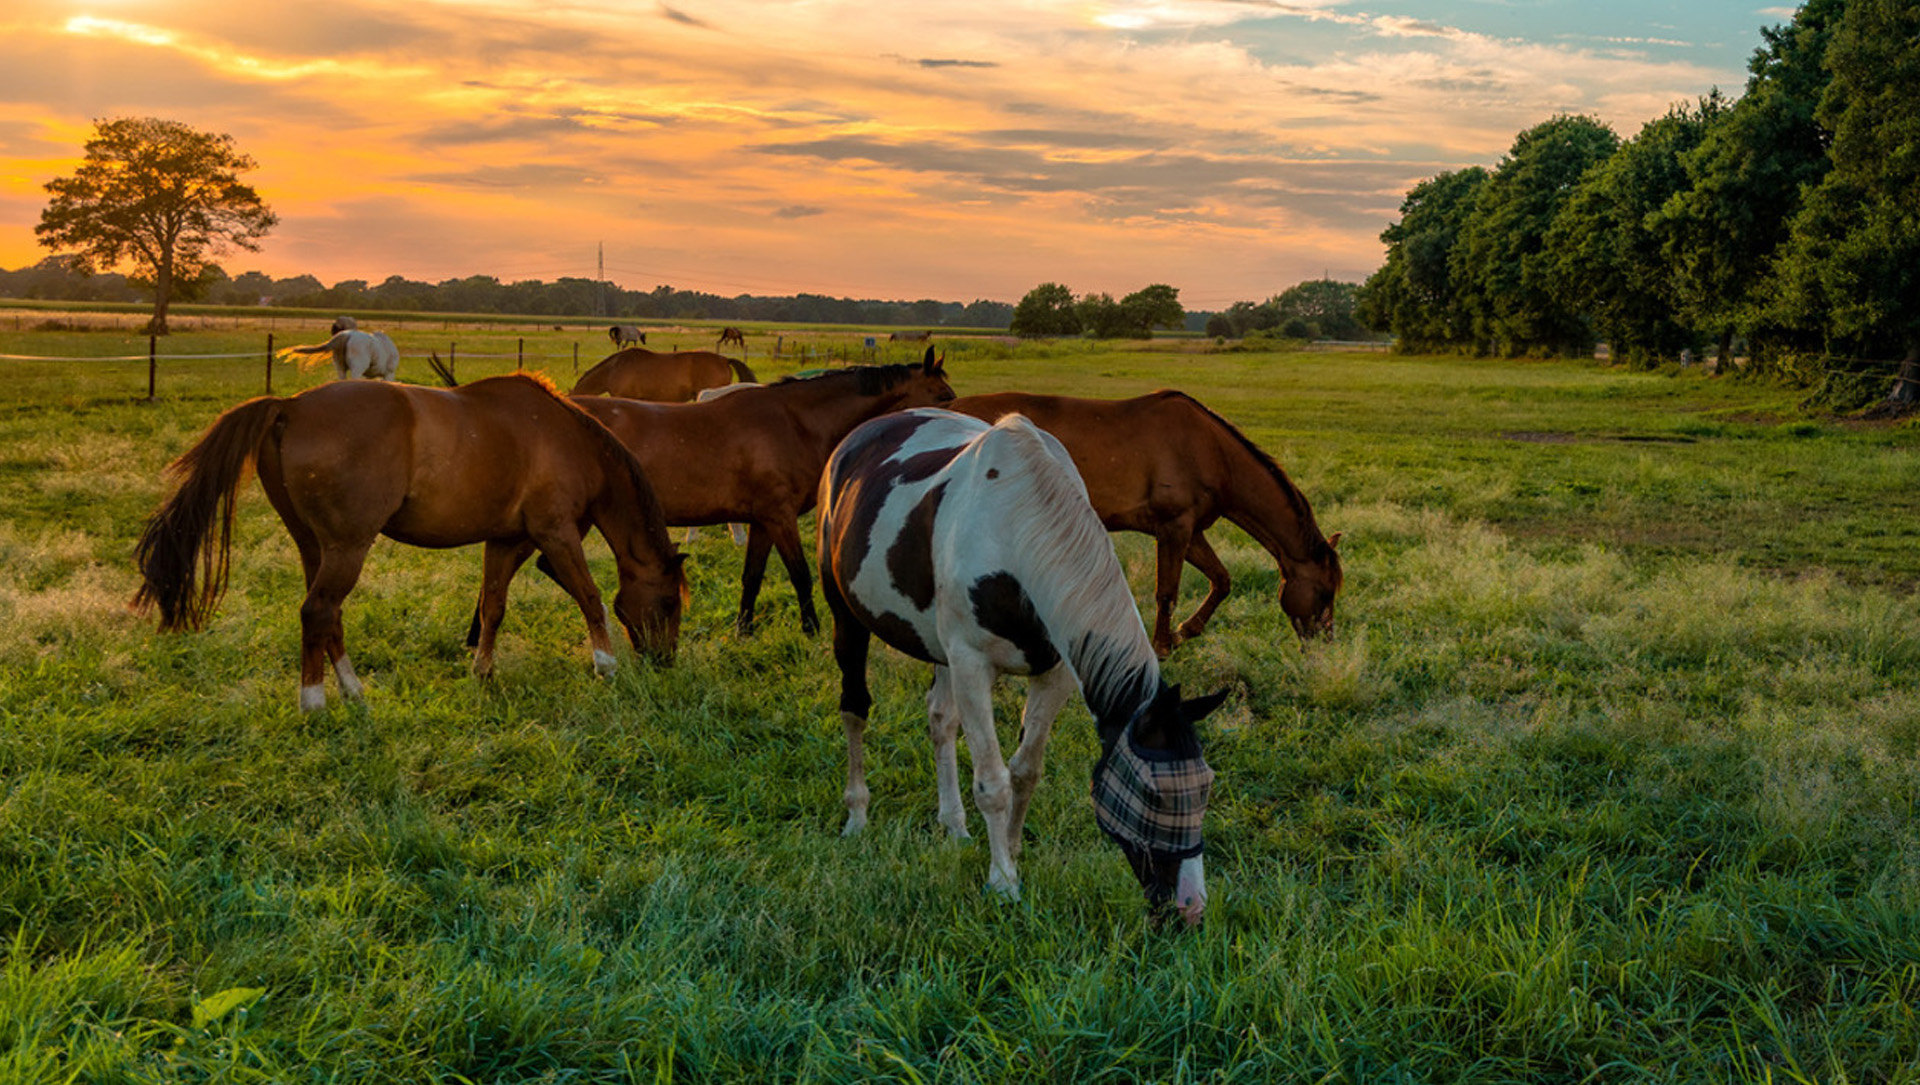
{"points": [[506, 461], [909, 337], [756, 456], [636, 373], [342, 324], [355, 353], [973, 547], [732, 335], [1164, 465], [622, 334]]}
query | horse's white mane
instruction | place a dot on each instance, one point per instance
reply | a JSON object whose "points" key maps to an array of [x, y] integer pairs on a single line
{"points": [[1068, 565]]}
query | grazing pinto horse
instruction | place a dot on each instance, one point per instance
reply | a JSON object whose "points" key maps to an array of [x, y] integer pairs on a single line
{"points": [[1164, 465], [504, 461], [355, 353], [732, 335], [664, 378], [909, 337], [622, 334], [973, 547], [756, 456]]}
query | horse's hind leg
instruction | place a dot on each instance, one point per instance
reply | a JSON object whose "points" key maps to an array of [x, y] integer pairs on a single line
{"points": [[851, 640], [322, 639], [1219, 582], [1170, 558]]}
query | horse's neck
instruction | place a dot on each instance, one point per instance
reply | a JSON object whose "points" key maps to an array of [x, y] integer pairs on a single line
{"points": [[1266, 504], [828, 414], [1117, 676]]}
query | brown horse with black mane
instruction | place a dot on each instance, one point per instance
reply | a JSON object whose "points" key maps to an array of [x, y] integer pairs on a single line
{"points": [[1165, 465], [506, 461], [733, 335], [755, 456], [636, 373]]}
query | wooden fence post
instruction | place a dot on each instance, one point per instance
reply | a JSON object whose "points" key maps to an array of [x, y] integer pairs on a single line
{"points": [[519, 354], [576, 357], [153, 348], [269, 363]]}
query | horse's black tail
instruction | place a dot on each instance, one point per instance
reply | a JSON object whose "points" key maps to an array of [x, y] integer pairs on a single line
{"points": [[741, 371], [441, 370], [179, 568]]}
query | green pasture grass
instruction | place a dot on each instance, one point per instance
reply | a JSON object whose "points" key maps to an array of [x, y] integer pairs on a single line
{"points": [[1608, 775]]}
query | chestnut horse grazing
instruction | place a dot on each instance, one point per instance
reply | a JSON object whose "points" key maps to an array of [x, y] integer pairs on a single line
{"points": [[973, 547], [1165, 465], [754, 456], [503, 461], [636, 373]]}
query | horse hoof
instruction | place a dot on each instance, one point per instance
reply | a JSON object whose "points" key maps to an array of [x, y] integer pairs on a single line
{"points": [[313, 698], [604, 664], [854, 825]]}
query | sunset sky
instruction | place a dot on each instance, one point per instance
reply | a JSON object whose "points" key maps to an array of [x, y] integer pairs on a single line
{"points": [[893, 149]]}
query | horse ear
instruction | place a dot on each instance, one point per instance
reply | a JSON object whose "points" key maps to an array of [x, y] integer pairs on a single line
{"points": [[931, 363], [1333, 540], [1201, 707]]}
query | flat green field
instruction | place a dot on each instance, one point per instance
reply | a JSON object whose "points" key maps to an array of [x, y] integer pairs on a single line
{"points": [[1608, 775]]}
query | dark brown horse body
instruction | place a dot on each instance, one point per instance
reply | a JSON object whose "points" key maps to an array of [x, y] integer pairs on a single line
{"points": [[755, 456], [1165, 465], [733, 335], [663, 378], [501, 461]]}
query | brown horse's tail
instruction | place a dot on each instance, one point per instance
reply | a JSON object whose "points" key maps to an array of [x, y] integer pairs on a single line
{"points": [[741, 371], [180, 568]]}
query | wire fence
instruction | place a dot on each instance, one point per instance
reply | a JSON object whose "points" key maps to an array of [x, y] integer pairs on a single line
{"points": [[153, 357]]}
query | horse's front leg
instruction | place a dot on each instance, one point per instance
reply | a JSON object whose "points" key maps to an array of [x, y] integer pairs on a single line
{"points": [[786, 539], [971, 684], [1219, 582], [1047, 693], [759, 542], [943, 728], [499, 561], [561, 547]]}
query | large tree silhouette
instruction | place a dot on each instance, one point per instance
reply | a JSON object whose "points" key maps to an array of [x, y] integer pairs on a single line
{"points": [[157, 194]]}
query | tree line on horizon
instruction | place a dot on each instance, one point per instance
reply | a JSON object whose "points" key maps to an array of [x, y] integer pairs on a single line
{"points": [[1784, 225], [56, 279]]}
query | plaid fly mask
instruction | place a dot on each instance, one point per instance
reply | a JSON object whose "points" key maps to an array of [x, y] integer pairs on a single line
{"points": [[1151, 800]]}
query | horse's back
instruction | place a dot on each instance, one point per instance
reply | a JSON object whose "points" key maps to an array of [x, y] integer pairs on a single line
{"points": [[925, 499], [637, 373], [1139, 458]]}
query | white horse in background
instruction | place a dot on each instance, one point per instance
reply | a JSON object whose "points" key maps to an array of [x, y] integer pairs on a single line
{"points": [[739, 530], [355, 353]]}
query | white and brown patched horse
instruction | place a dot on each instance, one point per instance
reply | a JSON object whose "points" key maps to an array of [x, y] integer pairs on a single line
{"points": [[974, 547], [625, 334], [355, 353]]}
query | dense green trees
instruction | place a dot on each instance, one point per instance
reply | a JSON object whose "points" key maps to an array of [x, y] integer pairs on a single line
{"points": [[1788, 219], [1050, 309]]}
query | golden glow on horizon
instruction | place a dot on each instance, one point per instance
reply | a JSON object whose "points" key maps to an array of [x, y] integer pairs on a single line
{"points": [[942, 148]]}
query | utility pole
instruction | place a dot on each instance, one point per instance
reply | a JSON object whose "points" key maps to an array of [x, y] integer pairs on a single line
{"points": [[600, 302]]}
